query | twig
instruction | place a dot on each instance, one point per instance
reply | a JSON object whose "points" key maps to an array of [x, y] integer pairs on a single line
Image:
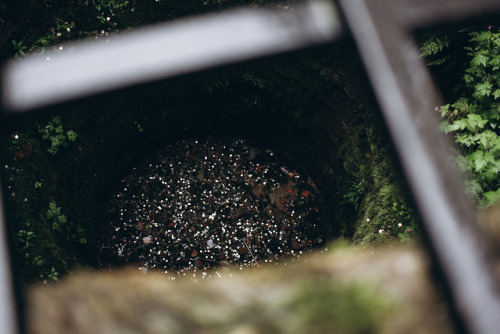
{"points": [[246, 245], [219, 263]]}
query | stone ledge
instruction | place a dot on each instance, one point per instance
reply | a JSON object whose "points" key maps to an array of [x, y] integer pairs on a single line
{"points": [[344, 290]]}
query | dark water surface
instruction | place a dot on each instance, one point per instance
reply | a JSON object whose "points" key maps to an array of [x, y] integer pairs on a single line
{"points": [[201, 204]]}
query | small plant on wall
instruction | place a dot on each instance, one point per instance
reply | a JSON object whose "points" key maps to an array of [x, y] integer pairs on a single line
{"points": [[57, 137], [60, 223]]}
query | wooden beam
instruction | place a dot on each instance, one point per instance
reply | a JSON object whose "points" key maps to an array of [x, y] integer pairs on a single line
{"points": [[154, 53], [416, 14]]}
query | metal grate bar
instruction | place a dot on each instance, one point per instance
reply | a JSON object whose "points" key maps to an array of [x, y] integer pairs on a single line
{"points": [[423, 13], [399, 78], [407, 98], [154, 53], [8, 322]]}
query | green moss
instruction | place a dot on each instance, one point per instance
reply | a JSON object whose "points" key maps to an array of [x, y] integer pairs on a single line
{"points": [[326, 306], [376, 190]]}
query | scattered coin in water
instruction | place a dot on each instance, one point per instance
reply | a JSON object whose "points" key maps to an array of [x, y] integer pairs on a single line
{"points": [[203, 204]]}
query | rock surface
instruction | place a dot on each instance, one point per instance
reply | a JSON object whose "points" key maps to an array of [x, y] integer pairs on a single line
{"points": [[343, 290]]}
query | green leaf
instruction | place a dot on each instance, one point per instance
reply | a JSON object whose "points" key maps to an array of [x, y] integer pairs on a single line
{"points": [[55, 226], [466, 139], [491, 197], [55, 142], [468, 78], [496, 93], [495, 61], [483, 89], [475, 122], [438, 61], [462, 124], [444, 110], [477, 159], [487, 139], [433, 45], [463, 164], [445, 127], [480, 60], [462, 104], [53, 150], [72, 135]]}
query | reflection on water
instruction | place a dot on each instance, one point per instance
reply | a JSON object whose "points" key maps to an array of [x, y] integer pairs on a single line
{"points": [[201, 204]]}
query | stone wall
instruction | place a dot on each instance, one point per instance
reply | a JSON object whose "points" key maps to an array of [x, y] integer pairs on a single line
{"points": [[343, 290]]}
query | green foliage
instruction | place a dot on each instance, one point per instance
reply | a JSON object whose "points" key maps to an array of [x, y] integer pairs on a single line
{"points": [[72, 135], [54, 214], [353, 194], [41, 43], [213, 84], [138, 126], [376, 190], [474, 117], [36, 253], [16, 144], [25, 237], [106, 9], [53, 275], [60, 223], [19, 48], [37, 247], [323, 307], [54, 133], [433, 47], [254, 81]]}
